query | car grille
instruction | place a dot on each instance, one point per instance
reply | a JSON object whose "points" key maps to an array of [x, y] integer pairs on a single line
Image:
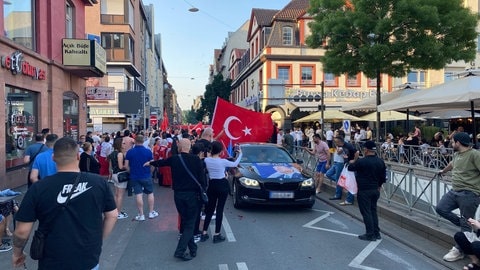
{"points": [[281, 186]]}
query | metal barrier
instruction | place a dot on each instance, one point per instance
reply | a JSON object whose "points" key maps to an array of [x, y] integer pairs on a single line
{"points": [[410, 185]]}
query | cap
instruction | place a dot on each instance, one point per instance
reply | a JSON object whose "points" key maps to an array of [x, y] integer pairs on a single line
{"points": [[462, 137], [370, 145]]}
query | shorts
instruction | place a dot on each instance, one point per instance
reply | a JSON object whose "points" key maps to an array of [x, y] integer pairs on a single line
{"points": [[6, 208], [118, 184], [321, 167], [142, 186]]}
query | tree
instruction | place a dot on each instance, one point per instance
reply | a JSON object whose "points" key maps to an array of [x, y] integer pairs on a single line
{"points": [[391, 36], [189, 116], [218, 88]]}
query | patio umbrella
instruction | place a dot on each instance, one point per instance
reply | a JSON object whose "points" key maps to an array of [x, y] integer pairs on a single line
{"points": [[390, 116], [328, 115], [370, 104], [457, 93], [448, 114]]}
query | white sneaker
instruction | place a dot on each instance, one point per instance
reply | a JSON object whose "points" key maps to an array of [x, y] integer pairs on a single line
{"points": [[5, 247], [453, 255], [153, 214], [140, 218], [122, 215]]}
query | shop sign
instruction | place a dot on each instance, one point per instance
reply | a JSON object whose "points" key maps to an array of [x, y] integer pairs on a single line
{"points": [[85, 53], [100, 93], [17, 65]]}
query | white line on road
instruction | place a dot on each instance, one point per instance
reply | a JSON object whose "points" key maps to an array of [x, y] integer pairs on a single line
{"points": [[242, 266], [357, 261], [310, 224], [228, 230]]}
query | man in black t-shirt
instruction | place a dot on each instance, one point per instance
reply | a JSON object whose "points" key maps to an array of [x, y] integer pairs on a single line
{"points": [[75, 234]]}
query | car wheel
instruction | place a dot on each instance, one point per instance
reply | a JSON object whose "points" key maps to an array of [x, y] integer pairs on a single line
{"points": [[237, 200]]}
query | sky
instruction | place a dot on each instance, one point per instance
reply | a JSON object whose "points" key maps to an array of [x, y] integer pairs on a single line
{"points": [[189, 39]]}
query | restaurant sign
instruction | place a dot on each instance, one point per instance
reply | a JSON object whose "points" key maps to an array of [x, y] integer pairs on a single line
{"points": [[17, 65]]}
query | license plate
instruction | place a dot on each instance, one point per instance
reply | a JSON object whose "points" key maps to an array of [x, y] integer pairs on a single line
{"points": [[281, 195]]}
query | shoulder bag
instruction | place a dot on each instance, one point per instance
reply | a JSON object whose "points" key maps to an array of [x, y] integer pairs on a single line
{"points": [[123, 176], [203, 193], [38, 241]]}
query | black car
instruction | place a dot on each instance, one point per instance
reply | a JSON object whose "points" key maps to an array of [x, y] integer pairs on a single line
{"points": [[268, 174]]}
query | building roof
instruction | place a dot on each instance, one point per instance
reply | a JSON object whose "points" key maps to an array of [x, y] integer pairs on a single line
{"points": [[264, 16], [293, 10]]}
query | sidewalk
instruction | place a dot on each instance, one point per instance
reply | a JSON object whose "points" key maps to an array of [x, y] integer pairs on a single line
{"points": [[433, 241]]}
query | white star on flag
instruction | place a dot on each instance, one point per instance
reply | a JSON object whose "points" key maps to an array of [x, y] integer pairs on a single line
{"points": [[247, 131]]}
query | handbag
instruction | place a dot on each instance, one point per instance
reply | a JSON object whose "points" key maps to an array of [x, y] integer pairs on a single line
{"points": [[203, 193], [123, 176], [347, 180], [37, 246]]}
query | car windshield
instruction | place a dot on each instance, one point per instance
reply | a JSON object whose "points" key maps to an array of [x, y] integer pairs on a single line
{"points": [[264, 154]]}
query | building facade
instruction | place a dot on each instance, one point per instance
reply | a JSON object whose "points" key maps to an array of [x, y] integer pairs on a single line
{"points": [[39, 90]]}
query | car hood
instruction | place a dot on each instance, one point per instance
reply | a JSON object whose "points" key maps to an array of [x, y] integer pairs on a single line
{"points": [[272, 171]]}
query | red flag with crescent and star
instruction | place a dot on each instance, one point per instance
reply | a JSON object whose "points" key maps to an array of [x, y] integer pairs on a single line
{"points": [[237, 124]]}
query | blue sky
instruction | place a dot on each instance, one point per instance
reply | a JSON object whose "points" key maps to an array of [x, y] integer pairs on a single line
{"points": [[189, 39]]}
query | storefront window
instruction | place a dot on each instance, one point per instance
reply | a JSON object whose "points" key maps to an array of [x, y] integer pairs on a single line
{"points": [[18, 22], [21, 123], [70, 115]]}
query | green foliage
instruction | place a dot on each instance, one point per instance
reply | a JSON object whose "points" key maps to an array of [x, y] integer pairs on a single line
{"points": [[429, 131], [189, 116], [218, 88], [391, 36], [398, 130]]}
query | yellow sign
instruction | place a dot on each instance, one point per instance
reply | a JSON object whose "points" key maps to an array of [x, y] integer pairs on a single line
{"points": [[77, 52]]}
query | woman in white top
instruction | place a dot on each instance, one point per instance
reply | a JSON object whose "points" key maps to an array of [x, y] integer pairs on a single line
{"points": [[217, 191]]}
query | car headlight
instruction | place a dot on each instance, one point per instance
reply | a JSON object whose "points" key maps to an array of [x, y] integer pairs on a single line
{"points": [[249, 183], [307, 183]]}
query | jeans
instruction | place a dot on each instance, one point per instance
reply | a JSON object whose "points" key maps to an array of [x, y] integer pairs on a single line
{"points": [[465, 200], [334, 173], [367, 203], [187, 203]]}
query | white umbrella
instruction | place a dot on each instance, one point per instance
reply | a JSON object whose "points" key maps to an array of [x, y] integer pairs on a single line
{"points": [[390, 116], [448, 114], [328, 115], [458, 93], [370, 104]]}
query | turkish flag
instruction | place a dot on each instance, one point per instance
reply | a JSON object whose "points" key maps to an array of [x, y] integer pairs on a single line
{"points": [[165, 123], [237, 124]]}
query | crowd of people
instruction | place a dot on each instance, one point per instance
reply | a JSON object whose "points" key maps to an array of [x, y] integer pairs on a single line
{"points": [[191, 163], [65, 175]]}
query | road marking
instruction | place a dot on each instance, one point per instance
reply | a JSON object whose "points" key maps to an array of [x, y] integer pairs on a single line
{"points": [[228, 230], [311, 224], [226, 227], [240, 266], [357, 261]]}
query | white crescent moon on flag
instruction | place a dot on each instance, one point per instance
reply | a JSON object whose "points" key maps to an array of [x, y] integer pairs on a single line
{"points": [[227, 123]]}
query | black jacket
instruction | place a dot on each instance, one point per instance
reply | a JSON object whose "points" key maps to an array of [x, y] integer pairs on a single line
{"points": [[182, 181], [370, 172]]}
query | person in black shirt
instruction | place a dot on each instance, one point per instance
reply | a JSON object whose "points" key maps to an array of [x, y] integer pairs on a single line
{"points": [[370, 173], [186, 194], [75, 235]]}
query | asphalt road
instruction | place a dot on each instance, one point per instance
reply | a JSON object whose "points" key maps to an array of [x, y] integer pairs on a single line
{"points": [[258, 238]]}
